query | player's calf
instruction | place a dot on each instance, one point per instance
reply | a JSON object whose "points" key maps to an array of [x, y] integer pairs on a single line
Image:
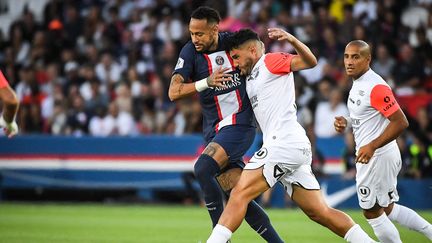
{"points": [[205, 170]]}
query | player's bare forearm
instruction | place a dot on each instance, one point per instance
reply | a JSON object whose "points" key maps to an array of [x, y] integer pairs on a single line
{"points": [[306, 58], [398, 123], [10, 104], [179, 89]]}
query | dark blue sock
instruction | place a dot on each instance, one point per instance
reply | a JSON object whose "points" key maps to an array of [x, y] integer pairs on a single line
{"points": [[260, 222], [206, 169]]}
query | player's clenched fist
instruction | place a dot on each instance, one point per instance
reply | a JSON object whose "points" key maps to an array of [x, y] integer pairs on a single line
{"points": [[10, 129], [280, 35], [340, 124]]}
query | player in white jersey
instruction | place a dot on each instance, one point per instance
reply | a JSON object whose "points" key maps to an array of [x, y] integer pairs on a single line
{"points": [[376, 120], [286, 155]]}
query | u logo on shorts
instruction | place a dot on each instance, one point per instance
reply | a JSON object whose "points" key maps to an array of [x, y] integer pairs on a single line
{"points": [[364, 191], [261, 154]]}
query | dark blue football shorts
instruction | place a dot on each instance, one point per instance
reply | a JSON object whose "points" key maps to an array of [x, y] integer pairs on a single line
{"points": [[236, 140]]}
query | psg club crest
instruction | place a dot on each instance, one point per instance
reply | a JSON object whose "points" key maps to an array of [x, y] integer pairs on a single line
{"points": [[219, 60]]}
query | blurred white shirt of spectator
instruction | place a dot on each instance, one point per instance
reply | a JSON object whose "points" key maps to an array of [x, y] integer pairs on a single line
{"points": [[20, 46], [126, 7], [300, 9], [170, 28], [180, 124], [54, 78], [325, 113], [315, 74], [23, 87], [48, 104], [58, 121], [239, 7], [138, 23], [107, 70], [366, 9], [138, 88], [123, 122], [414, 17], [145, 4], [101, 125]]}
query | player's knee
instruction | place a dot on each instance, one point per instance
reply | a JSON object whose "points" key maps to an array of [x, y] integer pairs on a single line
{"points": [[241, 193], [237, 197], [316, 214], [373, 212], [199, 169], [205, 167]]}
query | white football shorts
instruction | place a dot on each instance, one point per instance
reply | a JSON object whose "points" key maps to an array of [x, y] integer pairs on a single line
{"points": [[288, 165], [376, 181]]}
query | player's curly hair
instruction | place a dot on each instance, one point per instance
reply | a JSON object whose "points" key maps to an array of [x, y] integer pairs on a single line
{"points": [[204, 12], [240, 37]]}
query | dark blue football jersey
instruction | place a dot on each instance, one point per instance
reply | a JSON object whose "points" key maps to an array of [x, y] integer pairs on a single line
{"points": [[220, 106]]}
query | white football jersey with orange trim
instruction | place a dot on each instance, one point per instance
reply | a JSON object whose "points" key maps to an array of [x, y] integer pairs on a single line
{"points": [[370, 102], [270, 88]]}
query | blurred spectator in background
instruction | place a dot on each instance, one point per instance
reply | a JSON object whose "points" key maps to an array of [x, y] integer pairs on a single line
{"points": [[383, 64], [75, 56], [408, 71], [325, 113]]}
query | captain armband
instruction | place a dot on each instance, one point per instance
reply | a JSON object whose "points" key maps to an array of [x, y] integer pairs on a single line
{"points": [[201, 85]]}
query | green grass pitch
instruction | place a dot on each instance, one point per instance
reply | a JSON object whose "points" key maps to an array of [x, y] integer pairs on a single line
{"points": [[153, 224]]}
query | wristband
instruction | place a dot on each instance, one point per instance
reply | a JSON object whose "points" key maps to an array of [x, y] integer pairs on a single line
{"points": [[201, 85], [349, 122], [11, 127]]}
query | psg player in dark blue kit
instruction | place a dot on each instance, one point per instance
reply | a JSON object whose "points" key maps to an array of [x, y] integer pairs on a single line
{"points": [[205, 67]]}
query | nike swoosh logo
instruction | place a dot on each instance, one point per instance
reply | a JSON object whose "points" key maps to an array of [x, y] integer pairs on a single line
{"points": [[208, 204], [338, 197]]}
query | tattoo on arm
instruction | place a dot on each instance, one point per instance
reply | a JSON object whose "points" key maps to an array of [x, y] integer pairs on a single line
{"points": [[210, 150], [177, 79], [180, 88]]}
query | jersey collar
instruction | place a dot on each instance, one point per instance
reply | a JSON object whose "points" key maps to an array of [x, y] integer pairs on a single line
{"points": [[363, 75]]}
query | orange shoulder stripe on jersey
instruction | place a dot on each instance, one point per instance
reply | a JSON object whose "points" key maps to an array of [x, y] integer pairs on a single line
{"points": [[383, 100], [278, 63], [3, 81]]}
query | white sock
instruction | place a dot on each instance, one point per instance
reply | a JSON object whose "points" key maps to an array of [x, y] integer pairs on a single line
{"points": [[220, 234], [356, 235], [410, 219], [384, 229]]}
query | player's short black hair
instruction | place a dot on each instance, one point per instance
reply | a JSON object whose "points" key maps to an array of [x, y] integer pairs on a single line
{"points": [[238, 38], [204, 12]]}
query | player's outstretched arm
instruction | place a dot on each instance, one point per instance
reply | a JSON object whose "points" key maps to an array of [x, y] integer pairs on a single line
{"points": [[179, 89], [305, 58], [10, 109]]}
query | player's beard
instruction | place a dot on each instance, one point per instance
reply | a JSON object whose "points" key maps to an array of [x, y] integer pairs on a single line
{"points": [[247, 67], [207, 47]]}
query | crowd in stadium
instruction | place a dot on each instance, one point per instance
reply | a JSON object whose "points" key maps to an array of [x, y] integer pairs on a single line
{"points": [[103, 67]]}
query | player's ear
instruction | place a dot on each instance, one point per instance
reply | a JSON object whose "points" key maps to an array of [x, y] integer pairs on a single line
{"points": [[252, 48], [215, 27]]}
